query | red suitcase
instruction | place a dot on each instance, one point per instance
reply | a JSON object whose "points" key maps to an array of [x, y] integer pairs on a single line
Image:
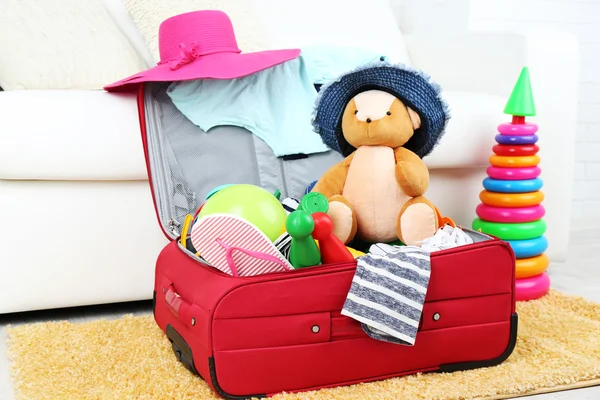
{"points": [[258, 336]]}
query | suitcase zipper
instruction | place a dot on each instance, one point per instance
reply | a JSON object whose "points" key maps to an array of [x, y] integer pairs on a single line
{"points": [[173, 226], [328, 268], [158, 167]]}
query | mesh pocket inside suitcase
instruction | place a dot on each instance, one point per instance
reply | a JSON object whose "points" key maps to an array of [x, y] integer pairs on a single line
{"points": [[186, 162]]}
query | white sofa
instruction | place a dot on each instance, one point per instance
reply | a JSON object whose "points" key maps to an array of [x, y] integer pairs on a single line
{"points": [[78, 223]]}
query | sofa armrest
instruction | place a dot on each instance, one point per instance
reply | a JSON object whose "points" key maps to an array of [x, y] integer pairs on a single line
{"points": [[70, 135], [490, 61]]}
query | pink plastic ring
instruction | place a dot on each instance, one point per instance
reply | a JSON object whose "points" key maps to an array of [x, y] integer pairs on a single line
{"points": [[515, 214], [518, 129], [532, 288], [513, 174]]}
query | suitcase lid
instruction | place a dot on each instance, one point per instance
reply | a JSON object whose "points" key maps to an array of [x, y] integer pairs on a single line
{"points": [[185, 163]]}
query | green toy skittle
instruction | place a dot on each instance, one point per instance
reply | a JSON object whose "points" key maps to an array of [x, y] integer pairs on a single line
{"points": [[314, 202], [303, 250]]}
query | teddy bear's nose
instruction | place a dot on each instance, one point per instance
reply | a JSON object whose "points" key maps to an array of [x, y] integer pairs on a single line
{"points": [[368, 116]]}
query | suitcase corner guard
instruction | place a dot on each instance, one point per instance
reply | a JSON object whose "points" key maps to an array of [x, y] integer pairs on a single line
{"points": [[512, 342], [215, 383], [183, 353], [154, 303]]}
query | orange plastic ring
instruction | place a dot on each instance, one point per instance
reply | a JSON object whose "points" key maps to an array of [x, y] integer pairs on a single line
{"points": [[528, 267], [514, 162], [511, 199]]}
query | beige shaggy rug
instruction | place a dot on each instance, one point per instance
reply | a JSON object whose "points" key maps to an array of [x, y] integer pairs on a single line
{"points": [[558, 348]]}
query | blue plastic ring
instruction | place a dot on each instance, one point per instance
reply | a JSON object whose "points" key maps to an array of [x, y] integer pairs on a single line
{"points": [[527, 139], [530, 247], [502, 186], [215, 190]]}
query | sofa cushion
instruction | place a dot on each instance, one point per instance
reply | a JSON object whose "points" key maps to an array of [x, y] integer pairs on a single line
{"points": [[471, 131], [352, 23], [276, 24], [149, 14], [70, 135], [93, 135], [62, 44]]}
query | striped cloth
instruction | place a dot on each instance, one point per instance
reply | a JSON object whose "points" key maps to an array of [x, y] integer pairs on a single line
{"points": [[290, 205], [284, 242], [388, 291]]}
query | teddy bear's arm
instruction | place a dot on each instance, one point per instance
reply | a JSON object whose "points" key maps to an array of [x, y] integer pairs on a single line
{"points": [[411, 172], [332, 182]]}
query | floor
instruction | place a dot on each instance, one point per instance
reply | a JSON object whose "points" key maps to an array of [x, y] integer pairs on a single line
{"points": [[580, 275]]}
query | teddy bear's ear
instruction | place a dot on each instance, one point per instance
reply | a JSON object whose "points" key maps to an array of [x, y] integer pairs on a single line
{"points": [[414, 117]]}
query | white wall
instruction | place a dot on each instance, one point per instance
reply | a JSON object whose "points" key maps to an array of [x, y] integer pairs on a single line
{"points": [[580, 17]]}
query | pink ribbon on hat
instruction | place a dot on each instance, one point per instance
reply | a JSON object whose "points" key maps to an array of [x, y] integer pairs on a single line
{"points": [[187, 54]]}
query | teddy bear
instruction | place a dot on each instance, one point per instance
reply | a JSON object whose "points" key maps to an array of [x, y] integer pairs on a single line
{"points": [[383, 119]]}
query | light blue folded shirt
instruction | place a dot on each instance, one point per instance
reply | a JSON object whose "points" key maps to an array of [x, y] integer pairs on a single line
{"points": [[275, 104], [328, 62]]}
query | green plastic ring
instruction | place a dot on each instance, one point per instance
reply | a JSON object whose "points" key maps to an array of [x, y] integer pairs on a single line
{"points": [[508, 231]]}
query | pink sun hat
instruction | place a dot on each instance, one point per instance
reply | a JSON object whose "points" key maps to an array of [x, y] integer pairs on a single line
{"points": [[202, 45]]}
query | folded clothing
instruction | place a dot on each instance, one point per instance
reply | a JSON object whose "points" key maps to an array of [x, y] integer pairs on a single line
{"points": [[446, 238], [388, 292], [327, 62], [290, 205], [275, 104]]}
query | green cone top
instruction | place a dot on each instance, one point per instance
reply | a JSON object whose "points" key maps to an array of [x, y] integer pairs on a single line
{"points": [[521, 102]]}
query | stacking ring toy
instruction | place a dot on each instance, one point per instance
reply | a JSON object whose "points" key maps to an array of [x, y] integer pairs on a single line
{"points": [[527, 185], [505, 139], [532, 288], [530, 247], [513, 173], [516, 151], [528, 267], [514, 162], [511, 199], [504, 231], [518, 129], [515, 214]]}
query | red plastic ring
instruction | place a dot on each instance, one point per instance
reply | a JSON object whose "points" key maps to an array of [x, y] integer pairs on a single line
{"points": [[517, 151]]}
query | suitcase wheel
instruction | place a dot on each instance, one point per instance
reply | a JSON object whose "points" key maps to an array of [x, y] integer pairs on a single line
{"points": [[182, 351]]}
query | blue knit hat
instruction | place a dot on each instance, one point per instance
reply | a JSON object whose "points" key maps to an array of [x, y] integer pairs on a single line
{"points": [[414, 88]]}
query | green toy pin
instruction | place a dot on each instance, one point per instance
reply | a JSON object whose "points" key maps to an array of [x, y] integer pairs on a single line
{"points": [[303, 249], [314, 202]]}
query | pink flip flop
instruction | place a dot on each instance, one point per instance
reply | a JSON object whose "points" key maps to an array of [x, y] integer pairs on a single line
{"points": [[236, 247]]}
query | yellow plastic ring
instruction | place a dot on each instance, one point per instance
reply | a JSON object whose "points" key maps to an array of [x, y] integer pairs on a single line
{"points": [[511, 199], [528, 267], [514, 162]]}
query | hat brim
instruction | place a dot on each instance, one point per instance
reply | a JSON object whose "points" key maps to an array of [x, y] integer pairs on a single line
{"points": [[212, 66], [413, 87]]}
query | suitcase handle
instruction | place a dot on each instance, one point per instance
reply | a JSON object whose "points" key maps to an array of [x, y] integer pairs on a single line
{"points": [[180, 308], [174, 301]]}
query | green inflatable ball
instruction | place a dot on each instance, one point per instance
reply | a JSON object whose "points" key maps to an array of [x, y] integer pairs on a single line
{"points": [[252, 203]]}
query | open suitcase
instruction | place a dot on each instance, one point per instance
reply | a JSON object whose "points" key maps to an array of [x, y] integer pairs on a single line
{"points": [[258, 336]]}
